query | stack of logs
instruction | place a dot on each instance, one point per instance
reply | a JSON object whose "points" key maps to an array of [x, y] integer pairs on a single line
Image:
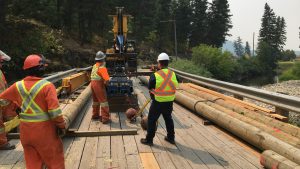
{"points": [[247, 121]]}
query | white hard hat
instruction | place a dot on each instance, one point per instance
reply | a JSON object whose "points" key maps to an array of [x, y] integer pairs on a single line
{"points": [[163, 56], [100, 56], [4, 56]]}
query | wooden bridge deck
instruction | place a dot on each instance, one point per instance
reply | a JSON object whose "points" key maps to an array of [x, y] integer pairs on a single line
{"points": [[197, 146]]}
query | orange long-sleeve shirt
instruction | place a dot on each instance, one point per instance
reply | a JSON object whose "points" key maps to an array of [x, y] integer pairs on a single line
{"points": [[46, 98], [102, 72]]}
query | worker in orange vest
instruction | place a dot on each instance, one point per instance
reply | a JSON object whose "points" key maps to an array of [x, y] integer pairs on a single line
{"points": [[7, 109], [99, 78], [40, 116]]}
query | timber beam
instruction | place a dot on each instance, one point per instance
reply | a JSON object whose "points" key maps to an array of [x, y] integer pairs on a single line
{"points": [[87, 133]]}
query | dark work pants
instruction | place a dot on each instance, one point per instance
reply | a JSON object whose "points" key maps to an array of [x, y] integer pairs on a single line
{"points": [[157, 108]]}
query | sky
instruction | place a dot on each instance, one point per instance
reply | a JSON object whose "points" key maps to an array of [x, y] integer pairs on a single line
{"points": [[247, 16]]}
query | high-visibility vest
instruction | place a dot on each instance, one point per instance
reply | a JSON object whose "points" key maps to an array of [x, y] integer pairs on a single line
{"points": [[3, 84], [165, 86], [28, 103], [94, 74]]}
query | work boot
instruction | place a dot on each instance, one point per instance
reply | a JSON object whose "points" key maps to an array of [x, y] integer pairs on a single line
{"points": [[95, 117], [146, 142], [105, 121], [172, 141], [7, 146]]}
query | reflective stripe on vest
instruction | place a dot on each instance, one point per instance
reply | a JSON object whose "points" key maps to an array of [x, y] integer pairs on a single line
{"points": [[165, 88], [38, 115], [94, 74], [104, 104]]}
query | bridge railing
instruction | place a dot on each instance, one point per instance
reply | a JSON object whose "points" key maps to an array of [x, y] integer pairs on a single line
{"points": [[57, 77], [280, 101]]}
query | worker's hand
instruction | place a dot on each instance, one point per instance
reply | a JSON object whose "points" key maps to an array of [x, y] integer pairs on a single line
{"points": [[61, 132]]}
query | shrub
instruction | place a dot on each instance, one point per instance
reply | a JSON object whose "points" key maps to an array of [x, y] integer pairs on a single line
{"points": [[189, 67], [291, 74], [220, 64]]}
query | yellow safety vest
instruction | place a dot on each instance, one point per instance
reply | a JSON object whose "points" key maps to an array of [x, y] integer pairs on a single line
{"points": [[38, 115], [165, 86], [94, 74]]}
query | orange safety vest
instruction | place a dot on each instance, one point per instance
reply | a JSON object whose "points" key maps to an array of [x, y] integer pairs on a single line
{"points": [[28, 103], [165, 86]]}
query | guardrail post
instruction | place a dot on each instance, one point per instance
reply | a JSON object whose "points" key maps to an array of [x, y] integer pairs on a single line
{"points": [[282, 112]]}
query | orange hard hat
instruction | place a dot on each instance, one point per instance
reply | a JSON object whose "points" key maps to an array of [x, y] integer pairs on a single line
{"points": [[33, 61]]}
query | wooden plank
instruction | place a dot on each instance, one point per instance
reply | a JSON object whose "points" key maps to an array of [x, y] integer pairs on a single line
{"points": [[88, 159], [14, 156], [210, 137], [131, 151], [211, 156], [185, 152], [20, 164], [101, 133], [149, 161], [103, 155], [73, 158], [117, 149]]}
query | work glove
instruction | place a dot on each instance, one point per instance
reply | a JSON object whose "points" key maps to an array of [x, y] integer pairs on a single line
{"points": [[61, 132]]}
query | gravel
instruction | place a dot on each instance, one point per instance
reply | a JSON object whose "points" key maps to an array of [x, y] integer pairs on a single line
{"points": [[291, 87]]}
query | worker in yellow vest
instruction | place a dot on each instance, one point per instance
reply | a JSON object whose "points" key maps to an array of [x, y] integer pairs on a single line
{"points": [[162, 87], [100, 78]]}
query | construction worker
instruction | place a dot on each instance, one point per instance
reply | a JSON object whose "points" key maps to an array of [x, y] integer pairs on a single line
{"points": [[162, 87], [99, 78], [40, 116], [7, 109]]}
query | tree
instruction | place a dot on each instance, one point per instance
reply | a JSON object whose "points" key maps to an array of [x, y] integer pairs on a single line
{"points": [[280, 33], [199, 25], [182, 15], [266, 60], [163, 12], [271, 41], [267, 31], [219, 23], [238, 47], [288, 55], [247, 49]]}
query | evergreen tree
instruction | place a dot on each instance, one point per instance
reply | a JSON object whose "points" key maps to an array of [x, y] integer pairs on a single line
{"points": [[280, 33], [182, 15], [219, 22], [247, 49], [267, 31], [199, 22], [163, 13], [238, 47]]}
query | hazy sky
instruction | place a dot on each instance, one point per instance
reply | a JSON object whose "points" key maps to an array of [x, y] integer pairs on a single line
{"points": [[247, 16]]}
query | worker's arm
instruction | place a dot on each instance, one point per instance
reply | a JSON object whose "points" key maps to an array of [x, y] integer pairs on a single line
{"points": [[53, 108], [151, 85], [104, 74], [11, 94]]}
